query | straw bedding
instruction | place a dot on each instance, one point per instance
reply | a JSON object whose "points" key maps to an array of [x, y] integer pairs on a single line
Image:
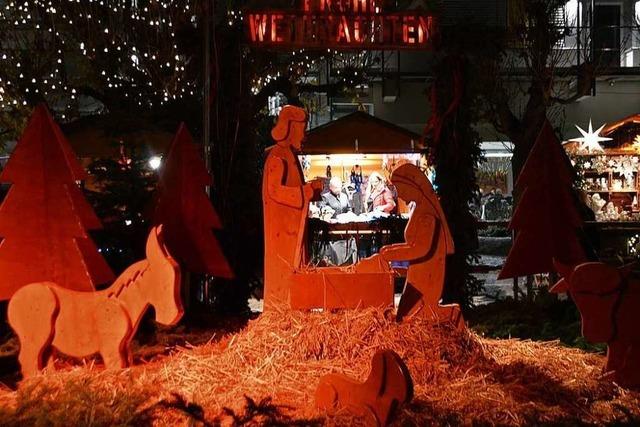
{"points": [[267, 374]]}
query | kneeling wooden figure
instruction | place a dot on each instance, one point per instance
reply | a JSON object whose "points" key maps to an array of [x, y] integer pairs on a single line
{"points": [[46, 316]]}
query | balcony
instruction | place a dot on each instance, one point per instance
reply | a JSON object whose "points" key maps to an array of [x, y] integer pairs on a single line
{"points": [[604, 34]]}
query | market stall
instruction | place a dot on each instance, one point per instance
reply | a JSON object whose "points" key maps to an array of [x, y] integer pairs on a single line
{"points": [[607, 161], [347, 152]]}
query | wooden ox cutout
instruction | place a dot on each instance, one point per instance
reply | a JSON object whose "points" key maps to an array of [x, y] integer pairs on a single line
{"points": [[427, 243], [609, 302], [389, 384], [79, 324], [286, 198]]}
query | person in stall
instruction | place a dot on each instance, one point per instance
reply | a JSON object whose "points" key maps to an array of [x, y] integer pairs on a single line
{"points": [[343, 251], [355, 199], [335, 198], [378, 196]]}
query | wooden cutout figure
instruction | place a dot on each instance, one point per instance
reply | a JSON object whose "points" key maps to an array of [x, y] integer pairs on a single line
{"points": [[389, 384], [609, 302], [368, 283], [185, 211], [546, 217], [46, 316], [285, 198], [427, 243], [44, 218]]}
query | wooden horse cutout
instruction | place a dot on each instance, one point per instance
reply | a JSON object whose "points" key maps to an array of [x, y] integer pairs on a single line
{"points": [[609, 302], [427, 243], [389, 384], [79, 324]]}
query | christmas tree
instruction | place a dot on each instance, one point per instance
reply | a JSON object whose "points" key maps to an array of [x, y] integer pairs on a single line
{"points": [[185, 211], [546, 217], [44, 218]]}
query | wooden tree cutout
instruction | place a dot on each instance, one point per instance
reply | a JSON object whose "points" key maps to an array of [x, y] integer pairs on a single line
{"points": [[608, 299], [427, 243], [44, 218], [185, 211], [546, 217], [46, 316], [389, 384]]}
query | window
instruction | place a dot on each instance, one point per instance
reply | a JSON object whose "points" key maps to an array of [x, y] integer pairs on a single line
{"points": [[606, 34], [275, 104], [568, 18]]}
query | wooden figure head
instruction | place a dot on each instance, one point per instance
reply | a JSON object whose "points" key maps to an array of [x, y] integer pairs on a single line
{"points": [[162, 280], [413, 185], [290, 127], [596, 289]]}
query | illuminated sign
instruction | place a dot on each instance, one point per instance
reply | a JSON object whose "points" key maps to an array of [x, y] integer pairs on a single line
{"points": [[341, 24]]}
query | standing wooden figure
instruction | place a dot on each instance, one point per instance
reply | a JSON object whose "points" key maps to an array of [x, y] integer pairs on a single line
{"points": [[609, 302], [427, 243], [46, 316], [286, 200]]}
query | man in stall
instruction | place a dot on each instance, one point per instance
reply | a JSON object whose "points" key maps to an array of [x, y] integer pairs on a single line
{"points": [[335, 198]]}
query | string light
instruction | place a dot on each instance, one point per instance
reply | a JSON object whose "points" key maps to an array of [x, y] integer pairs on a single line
{"points": [[115, 47]]}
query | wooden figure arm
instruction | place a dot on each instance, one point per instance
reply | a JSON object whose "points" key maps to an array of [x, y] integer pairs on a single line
{"points": [[421, 242], [285, 195]]}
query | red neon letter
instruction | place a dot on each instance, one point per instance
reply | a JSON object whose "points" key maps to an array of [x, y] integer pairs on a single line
{"points": [[408, 29], [360, 6], [343, 30], [424, 29], [275, 20], [257, 27], [356, 30]]}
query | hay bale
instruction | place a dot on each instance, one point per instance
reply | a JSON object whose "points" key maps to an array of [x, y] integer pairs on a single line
{"points": [[267, 373]]}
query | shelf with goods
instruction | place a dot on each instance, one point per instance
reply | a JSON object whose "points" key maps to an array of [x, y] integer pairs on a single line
{"points": [[611, 184], [607, 161]]}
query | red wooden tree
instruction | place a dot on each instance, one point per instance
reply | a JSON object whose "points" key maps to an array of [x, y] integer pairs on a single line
{"points": [[185, 211], [44, 218], [546, 217]]}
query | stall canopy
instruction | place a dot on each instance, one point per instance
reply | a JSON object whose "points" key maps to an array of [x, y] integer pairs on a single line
{"points": [[97, 137], [360, 132]]}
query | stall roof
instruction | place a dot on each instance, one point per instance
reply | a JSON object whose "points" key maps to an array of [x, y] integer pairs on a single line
{"points": [[360, 132], [91, 137], [629, 120]]}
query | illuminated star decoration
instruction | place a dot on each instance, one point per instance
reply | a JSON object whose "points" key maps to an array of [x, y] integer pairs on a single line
{"points": [[590, 140]]}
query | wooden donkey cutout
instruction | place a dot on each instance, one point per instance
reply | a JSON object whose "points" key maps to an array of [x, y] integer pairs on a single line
{"points": [[609, 302], [46, 316], [389, 384]]}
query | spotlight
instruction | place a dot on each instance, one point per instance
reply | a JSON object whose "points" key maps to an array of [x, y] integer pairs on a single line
{"points": [[155, 162]]}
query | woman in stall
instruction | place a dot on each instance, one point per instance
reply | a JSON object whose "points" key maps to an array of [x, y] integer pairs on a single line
{"points": [[378, 196]]}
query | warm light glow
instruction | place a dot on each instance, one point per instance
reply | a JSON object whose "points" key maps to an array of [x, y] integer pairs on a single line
{"points": [[155, 162], [590, 140]]}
